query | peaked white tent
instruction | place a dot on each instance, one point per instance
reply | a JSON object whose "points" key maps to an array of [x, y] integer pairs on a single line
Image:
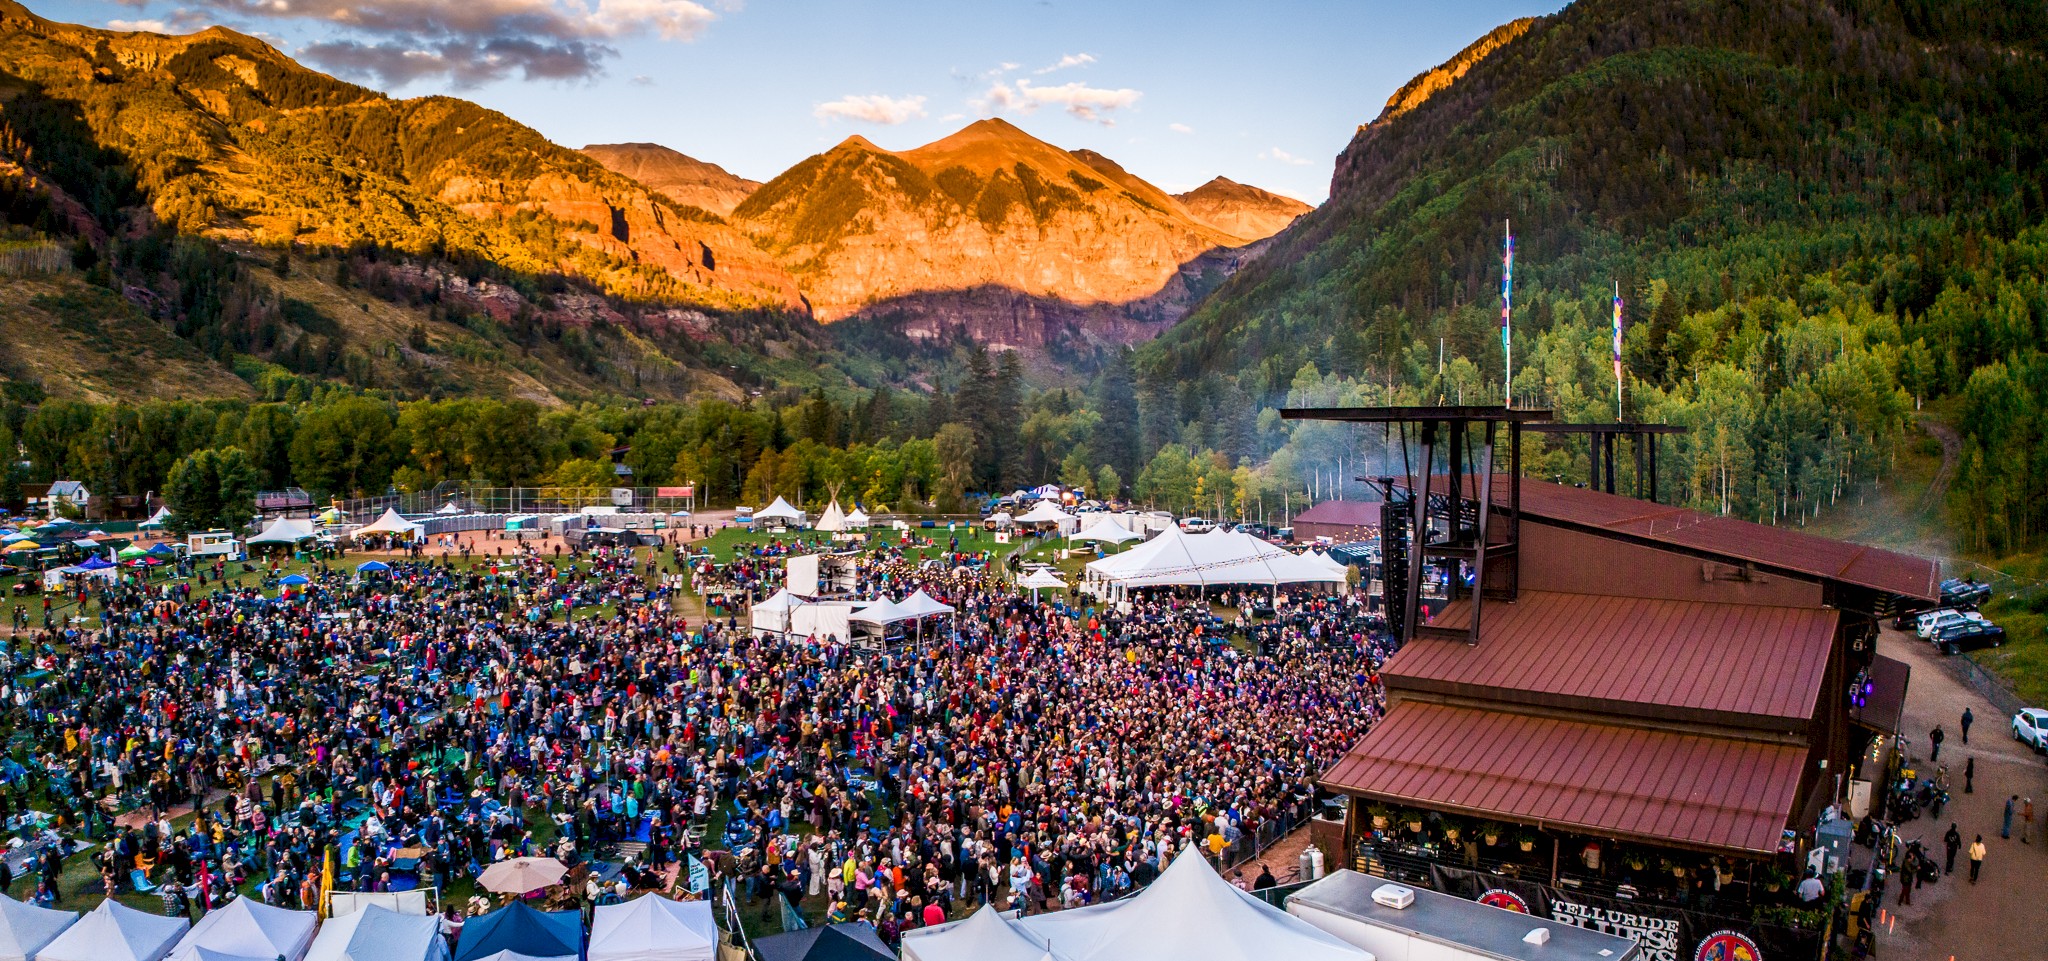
{"points": [[984, 936], [884, 611], [286, 531], [654, 928], [1222, 557], [1189, 914], [1335, 566], [858, 520], [248, 929], [158, 519], [773, 614], [392, 524], [25, 928], [781, 511], [1105, 531], [921, 605], [1046, 513], [1001, 519], [375, 934], [451, 508], [833, 520], [1041, 578], [115, 932]]}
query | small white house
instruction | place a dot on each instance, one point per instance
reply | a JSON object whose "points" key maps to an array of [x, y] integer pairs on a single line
{"points": [[47, 499]]}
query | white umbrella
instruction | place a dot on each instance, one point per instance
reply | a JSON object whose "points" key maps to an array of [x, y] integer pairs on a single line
{"points": [[521, 875]]}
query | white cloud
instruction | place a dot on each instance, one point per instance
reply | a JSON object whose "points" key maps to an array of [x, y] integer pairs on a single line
{"points": [[474, 41], [139, 26], [1180, 128], [1070, 60], [1080, 100], [872, 108], [1275, 153]]}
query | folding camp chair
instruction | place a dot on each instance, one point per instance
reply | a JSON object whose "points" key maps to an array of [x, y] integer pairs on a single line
{"points": [[140, 882]]}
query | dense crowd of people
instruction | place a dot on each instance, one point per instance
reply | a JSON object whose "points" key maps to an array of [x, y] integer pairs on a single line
{"points": [[422, 723]]}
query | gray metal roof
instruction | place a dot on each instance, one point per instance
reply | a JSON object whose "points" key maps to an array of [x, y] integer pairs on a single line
{"points": [[1446, 919]]}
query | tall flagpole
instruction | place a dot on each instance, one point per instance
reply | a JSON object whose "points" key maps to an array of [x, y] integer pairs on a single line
{"points": [[1507, 304], [1618, 415]]}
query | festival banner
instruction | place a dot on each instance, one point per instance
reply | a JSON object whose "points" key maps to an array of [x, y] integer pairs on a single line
{"points": [[1661, 932]]}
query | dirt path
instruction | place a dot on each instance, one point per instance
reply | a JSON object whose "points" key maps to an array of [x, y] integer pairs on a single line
{"points": [[1999, 917], [1951, 451]]}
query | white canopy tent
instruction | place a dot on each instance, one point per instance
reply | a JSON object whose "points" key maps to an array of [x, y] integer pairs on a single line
{"points": [[1337, 567], [1046, 513], [25, 928], [654, 928], [1000, 519], [391, 524], [781, 511], [922, 605], [1040, 579], [1189, 914], [115, 932], [1105, 531], [248, 929], [158, 519], [344, 903], [1222, 557], [450, 509], [833, 521], [375, 934], [774, 613], [883, 612], [287, 531], [858, 520]]}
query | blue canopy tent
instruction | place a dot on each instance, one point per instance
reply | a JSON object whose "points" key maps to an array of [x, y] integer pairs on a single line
{"points": [[373, 567], [296, 580], [524, 930], [163, 549], [95, 563]]}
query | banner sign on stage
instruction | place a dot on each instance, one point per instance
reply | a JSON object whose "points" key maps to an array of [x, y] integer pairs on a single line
{"points": [[1663, 932]]}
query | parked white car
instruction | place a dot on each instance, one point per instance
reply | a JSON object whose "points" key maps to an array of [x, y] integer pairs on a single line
{"points": [[1933, 622], [2030, 727], [1196, 525]]}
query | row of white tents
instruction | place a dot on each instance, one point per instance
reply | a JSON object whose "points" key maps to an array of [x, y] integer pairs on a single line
{"points": [[291, 531], [648, 928], [787, 613]]}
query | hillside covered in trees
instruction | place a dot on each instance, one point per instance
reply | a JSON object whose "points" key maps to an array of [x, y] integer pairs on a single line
{"points": [[1821, 215]]}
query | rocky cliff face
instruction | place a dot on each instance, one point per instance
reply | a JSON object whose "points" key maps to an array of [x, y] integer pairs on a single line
{"points": [[683, 179], [1241, 210], [991, 231]]}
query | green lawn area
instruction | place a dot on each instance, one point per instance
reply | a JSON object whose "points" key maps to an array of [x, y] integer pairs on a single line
{"points": [[2020, 605]]}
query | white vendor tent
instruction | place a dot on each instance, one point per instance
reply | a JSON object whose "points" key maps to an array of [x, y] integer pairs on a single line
{"points": [[1189, 914], [858, 520], [25, 928], [1336, 567], [833, 521], [248, 929], [828, 621], [774, 613], [883, 612], [392, 524], [1000, 519], [1046, 513], [1105, 531], [286, 531], [1223, 557], [1042, 578], [115, 932], [158, 519], [781, 511], [921, 605], [654, 928], [344, 903], [450, 509], [375, 934]]}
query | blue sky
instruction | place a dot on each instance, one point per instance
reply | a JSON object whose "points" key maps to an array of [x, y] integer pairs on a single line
{"points": [[1263, 93]]}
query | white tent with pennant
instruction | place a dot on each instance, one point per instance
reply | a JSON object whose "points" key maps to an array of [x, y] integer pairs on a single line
{"points": [[25, 928], [833, 521], [654, 928], [1189, 914], [391, 524], [375, 934], [115, 932], [248, 929], [158, 519]]}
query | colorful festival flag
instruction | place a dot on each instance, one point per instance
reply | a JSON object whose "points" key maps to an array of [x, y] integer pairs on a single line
{"points": [[1617, 352], [1507, 307]]}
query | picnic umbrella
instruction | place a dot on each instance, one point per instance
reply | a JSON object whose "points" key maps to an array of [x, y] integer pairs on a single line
{"points": [[521, 875]]}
